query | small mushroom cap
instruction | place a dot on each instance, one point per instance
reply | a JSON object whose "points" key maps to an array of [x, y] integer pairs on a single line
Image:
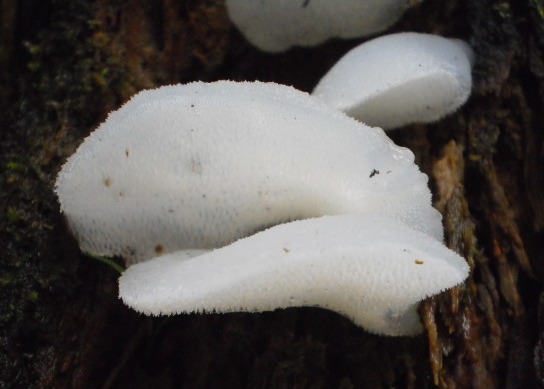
{"points": [[400, 79], [277, 25], [370, 268], [198, 166]]}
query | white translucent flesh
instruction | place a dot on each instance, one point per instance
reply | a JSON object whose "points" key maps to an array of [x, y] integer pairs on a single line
{"points": [[400, 79], [198, 166], [370, 268], [276, 25]]}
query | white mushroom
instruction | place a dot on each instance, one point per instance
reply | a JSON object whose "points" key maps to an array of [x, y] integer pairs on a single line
{"points": [[191, 168], [199, 166], [277, 25], [400, 79], [370, 268]]}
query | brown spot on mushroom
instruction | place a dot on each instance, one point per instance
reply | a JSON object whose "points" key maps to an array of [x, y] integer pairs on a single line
{"points": [[128, 252], [107, 182], [286, 249], [159, 249], [419, 262], [127, 152], [196, 166]]}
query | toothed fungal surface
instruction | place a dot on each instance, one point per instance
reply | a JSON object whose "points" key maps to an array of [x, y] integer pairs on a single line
{"points": [[398, 79], [370, 268], [201, 165]]}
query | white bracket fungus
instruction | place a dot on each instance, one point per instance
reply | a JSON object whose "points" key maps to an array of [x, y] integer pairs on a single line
{"points": [[369, 268], [398, 79], [200, 165], [192, 168], [277, 25]]}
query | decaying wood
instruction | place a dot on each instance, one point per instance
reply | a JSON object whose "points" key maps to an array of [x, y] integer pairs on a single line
{"points": [[65, 63]]}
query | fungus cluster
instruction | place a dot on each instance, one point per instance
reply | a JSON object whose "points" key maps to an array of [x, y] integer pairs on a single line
{"points": [[199, 170], [232, 196], [389, 81]]}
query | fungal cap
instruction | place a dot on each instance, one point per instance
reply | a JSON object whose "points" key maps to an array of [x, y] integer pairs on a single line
{"points": [[398, 79], [370, 268], [198, 166], [277, 25]]}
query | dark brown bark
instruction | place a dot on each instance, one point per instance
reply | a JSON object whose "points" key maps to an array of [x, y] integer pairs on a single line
{"points": [[65, 63]]}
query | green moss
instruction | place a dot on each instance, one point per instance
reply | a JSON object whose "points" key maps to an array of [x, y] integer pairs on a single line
{"points": [[52, 96], [5, 280], [63, 66], [503, 9], [33, 296], [12, 215], [15, 166], [539, 6]]}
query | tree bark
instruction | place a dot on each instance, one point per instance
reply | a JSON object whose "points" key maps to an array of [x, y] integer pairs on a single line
{"points": [[64, 64]]}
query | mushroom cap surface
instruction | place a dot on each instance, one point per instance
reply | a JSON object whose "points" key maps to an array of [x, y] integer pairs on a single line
{"points": [[370, 268], [398, 79], [201, 165], [277, 25]]}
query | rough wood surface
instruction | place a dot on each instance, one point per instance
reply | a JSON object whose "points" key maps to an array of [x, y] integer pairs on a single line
{"points": [[65, 63]]}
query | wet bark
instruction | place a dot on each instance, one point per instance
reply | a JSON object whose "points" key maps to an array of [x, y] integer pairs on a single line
{"points": [[65, 64]]}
